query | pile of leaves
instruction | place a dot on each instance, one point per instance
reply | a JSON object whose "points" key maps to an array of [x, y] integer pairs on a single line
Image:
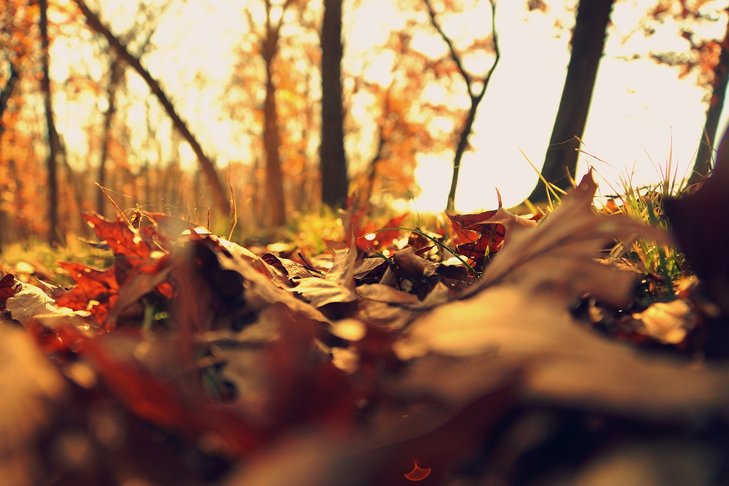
{"points": [[516, 353]]}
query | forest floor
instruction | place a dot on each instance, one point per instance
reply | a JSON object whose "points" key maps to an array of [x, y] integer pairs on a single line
{"points": [[576, 347]]}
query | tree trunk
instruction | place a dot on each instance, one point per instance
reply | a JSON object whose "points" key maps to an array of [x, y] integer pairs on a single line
{"points": [[207, 166], [476, 96], [115, 75], [461, 147], [332, 159], [702, 164], [272, 139], [53, 145], [588, 41], [7, 92]]}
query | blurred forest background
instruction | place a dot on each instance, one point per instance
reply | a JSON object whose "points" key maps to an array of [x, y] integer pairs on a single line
{"points": [[261, 110]]}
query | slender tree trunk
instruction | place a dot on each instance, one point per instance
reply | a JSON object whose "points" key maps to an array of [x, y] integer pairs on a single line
{"points": [[461, 148], [7, 92], [588, 41], [272, 139], [332, 159], [476, 96], [73, 182], [115, 75], [702, 164], [53, 145], [207, 166]]}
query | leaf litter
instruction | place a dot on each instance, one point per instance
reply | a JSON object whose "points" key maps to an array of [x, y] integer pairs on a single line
{"points": [[285, 369]]}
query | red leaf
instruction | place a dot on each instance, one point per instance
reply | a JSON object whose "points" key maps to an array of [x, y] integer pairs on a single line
{"points": [[8, 288], [124, 240], [96, 290], [371, 237], [474, 237], [163, 402]]}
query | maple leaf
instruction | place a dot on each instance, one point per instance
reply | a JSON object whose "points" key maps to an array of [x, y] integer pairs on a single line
{"points": [[122, 239], [484, 234], [370, 237], [95, 291], [139, 268]]}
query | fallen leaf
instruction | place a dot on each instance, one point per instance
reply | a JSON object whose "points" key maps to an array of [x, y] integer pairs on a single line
{"points": [[32, 393], [30, 301], [667, 322], [8, 288], [559, 253], [95, 291], [370, 237], [482, 234], [699, 223], [565, 363], [320, 292]]}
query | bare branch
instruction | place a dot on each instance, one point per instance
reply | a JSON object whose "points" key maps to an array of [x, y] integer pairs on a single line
{"points": [[449, 42], [207, 166]]}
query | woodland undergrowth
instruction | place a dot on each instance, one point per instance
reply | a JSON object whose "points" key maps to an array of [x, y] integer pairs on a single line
{"points": [[573, 346]]}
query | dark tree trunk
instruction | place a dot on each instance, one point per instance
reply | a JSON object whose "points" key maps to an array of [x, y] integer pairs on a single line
{"points": [[332, 159], [588, 41], [7, 92], [207, 166], [462, 145], [53, 141], [272, 139], [702, 164], [115, 75]]}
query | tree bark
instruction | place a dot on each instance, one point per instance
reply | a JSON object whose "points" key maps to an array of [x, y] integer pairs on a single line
{"points": [[115, 75], [702, 164], [207, 166], [588, 41], [53, 141], [271, 134], [7, 92], [332, 158]]}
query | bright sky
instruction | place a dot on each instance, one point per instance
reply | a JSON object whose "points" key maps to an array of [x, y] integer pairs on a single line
{"points": [[641, 117]]}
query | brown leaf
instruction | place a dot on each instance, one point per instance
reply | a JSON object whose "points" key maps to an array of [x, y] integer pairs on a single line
{"points": [[384, 306], [699, 222], [566, 363], [558, 254], [667, 322], [414, 265], [321, 292], [259, 290], [31, 392]]}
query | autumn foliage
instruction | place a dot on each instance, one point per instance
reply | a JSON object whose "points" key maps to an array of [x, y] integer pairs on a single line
{"points": [[382, 364]]}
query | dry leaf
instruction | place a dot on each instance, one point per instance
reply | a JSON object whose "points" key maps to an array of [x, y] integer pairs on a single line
{"points": [[558, 254], [668, 322], [31, 301], [564, 362], [31, 392]]}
